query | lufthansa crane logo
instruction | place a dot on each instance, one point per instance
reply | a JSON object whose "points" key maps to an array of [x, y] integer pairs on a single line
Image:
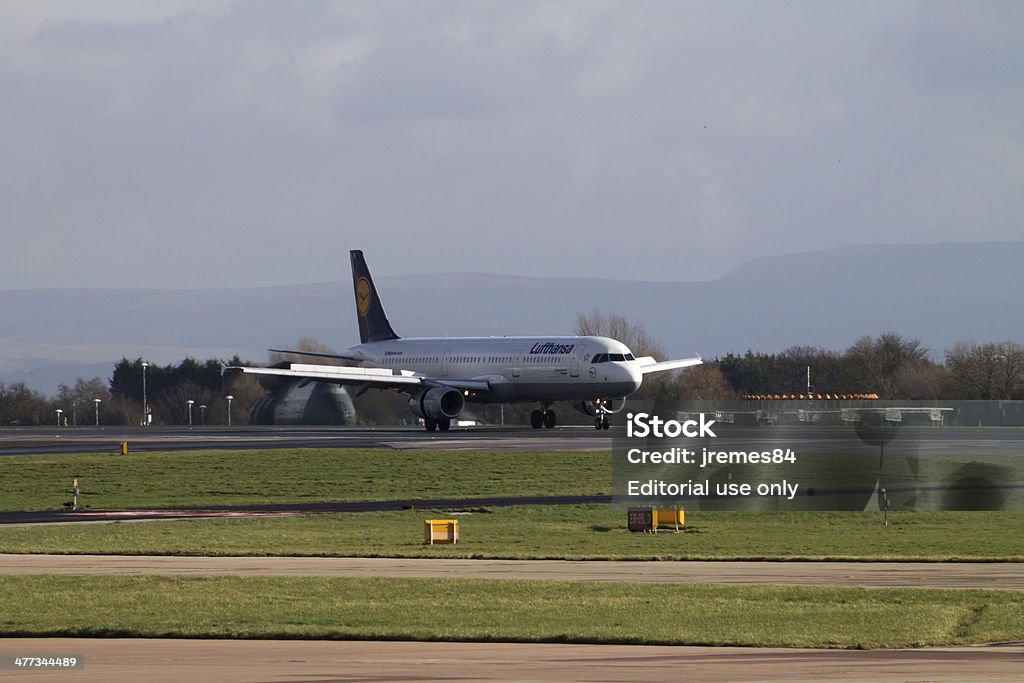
{"points": [[363, 296]]}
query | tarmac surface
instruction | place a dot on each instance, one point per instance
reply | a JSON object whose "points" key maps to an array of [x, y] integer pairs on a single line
{"points": [[242, 661], [49, 440], [958, 575], [44, 440]]}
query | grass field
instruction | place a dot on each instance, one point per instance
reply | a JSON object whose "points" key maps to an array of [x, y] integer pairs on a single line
{"points": [[185, 479], [572, 532], [569, 532], [199, 478], [477, 610], [235, 607]]}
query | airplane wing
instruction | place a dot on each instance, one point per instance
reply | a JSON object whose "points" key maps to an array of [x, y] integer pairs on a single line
{"points": [[648, 364], [374, 378]]}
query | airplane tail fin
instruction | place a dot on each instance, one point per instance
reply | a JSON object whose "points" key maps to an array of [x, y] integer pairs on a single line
{"points": [[373, 321]]}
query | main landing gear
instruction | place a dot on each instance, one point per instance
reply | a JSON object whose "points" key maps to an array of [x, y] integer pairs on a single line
{"points": [[602, 422], [542, 418], [444, 424]]}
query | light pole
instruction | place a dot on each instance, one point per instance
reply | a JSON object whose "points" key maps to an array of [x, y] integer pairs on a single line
{"points": [[202, 412], [145, 404], [74, 413], [97, 401], [190, 402], [59, 411], [229, 397]]}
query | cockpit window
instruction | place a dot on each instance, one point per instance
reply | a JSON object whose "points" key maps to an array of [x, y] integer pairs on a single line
{"points": [[610, 357]]}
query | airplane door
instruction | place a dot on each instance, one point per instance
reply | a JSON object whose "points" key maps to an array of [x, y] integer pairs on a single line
{"points": [[516, 360], [444, 363], [574, 361]]}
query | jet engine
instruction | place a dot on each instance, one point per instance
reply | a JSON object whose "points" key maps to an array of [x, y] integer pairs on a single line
{"points": [[599, 407], [438, 403]]}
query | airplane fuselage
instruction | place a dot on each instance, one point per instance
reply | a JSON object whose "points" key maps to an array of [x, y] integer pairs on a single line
{"points": [[516, 368]]}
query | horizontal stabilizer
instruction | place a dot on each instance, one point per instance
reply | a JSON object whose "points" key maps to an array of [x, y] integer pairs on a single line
{"points": [[339, 356]]}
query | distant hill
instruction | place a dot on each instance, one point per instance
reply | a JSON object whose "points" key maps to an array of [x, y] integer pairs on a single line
{"points": [[939, 293]]}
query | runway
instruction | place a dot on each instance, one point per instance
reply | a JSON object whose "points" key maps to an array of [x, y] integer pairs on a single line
{"points": [[953, 575], [241, 661], [1002, 441]]}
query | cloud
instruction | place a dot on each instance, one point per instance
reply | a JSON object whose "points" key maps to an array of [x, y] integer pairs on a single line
{"points": [[223, 143]]}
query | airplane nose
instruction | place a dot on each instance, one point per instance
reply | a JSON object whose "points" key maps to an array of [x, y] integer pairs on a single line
{"points": [[633, 375]]}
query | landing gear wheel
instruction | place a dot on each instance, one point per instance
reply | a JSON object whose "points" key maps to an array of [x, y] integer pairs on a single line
{"points": [[429, 425], [536, 419], [549, 418], [444, 424], [605, 422], [597, 423]]}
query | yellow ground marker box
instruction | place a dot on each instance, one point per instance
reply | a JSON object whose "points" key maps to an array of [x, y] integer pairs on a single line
{"points": [[669, 517], [440, 531]]}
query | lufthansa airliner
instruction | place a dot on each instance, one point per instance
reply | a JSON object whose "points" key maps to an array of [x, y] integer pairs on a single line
{"points": [[440, 375]]}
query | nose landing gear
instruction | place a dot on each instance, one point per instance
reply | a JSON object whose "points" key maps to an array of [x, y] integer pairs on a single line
{"points": [[602, 422]]}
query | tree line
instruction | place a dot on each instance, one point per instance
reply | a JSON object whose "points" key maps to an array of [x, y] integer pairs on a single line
{"points": [[121, 400], [889, 365]]}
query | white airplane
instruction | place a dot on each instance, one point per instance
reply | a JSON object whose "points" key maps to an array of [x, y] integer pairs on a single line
{"points": [[441, 374]]}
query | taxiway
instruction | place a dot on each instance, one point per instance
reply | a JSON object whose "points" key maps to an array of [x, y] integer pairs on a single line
{"points": [[958, 575], [251, 661]]}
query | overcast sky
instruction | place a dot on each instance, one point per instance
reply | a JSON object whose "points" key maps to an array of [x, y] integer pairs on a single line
{"points": [[208, 143]]}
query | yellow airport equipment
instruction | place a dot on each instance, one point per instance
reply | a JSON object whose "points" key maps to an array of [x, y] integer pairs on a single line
{"points": [[440, 531], [124, 448], [664, 517]]}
